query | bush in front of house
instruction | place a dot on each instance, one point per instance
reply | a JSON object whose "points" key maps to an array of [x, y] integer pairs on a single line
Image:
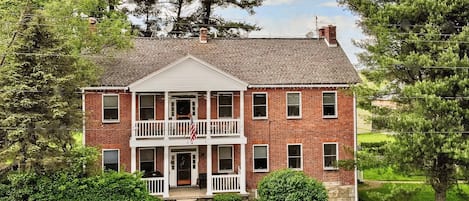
{"points": [[227, 197], [289, 185]]}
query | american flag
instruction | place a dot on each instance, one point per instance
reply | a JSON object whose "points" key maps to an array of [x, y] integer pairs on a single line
{"points": [[193, 130]]}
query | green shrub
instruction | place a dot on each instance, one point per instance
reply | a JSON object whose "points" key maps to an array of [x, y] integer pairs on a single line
{"points": [[227, 197], [289, 185], [374, 147]]}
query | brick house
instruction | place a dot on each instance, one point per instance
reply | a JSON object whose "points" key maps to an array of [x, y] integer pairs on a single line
{"points": [[257, 105]]}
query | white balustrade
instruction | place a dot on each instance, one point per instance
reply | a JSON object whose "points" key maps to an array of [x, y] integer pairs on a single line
{"points": [[181, 128], [223, 127], [155, 185], [149, 129], [226, 183]]}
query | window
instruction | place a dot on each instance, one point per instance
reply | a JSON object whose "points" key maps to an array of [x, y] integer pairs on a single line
{"points": [[111, 108], [147, 160], [329, 104], [330, 156], [293, 105], [147, 107], [111, 160], [261, 158], [225, 158], [259, 105], [225, 105], [294, 156]]}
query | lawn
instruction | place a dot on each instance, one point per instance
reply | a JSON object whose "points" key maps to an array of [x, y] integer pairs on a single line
{"points": [[388, 174], [425, 193], [373, 137]]}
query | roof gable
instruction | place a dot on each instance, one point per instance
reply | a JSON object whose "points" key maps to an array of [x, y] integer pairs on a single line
{"points": [[188, 74]]}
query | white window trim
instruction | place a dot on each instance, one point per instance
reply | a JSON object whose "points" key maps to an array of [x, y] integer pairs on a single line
{"points": [[140, 161], [118, 109], [253, 158], [324, 156], [300, 105], [301, 157], [232, 159], [140, 105], [218, 104], [118, 158], [266, 105], [335, 105]]}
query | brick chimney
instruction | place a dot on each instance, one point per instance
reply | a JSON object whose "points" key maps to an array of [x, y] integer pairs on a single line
{"points": [[329, 35], [203, 35]]}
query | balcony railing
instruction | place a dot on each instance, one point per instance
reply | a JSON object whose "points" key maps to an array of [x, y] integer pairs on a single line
{"points": [[181, 128], [155, 185], [226, 183]]}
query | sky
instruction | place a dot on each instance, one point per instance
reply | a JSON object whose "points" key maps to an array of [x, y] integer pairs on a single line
{"points": [[295, 18]]}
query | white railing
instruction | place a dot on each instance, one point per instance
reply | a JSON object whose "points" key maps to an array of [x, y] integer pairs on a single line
{"points": [[226, 183], [181, 128], [222, 127], [155, 185], [149, 129]]}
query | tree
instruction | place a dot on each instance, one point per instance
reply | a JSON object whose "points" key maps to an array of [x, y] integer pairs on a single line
{"points": [[419, 52], [43, 70], [289, 185]]}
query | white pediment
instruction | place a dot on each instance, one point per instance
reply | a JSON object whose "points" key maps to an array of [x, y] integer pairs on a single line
{"points": [[188, 74]]}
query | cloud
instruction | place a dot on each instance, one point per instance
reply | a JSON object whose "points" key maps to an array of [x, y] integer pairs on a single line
{"points": [[330, 4], [277, 2]]}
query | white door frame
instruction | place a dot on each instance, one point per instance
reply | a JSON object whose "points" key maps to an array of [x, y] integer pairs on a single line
{"points": [[194, 104], [194, 151]]}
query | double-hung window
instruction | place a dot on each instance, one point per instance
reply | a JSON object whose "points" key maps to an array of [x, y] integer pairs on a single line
{"points": [[225, 158], [147, 107], [295, 156], [329, 104], [261, 158], [330, 156], [111, 159], [147, 160], [110, 108], [293, 105], [259, 105], [225, 105]]}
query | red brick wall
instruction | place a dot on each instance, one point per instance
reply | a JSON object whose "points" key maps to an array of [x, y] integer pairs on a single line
{"points": [[312, 130]]}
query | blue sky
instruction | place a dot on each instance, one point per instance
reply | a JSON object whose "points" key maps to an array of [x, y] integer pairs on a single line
{"points": [[295, 18]]}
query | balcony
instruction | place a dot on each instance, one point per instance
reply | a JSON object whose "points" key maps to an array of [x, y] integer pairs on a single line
{"points": [[181, 128]]}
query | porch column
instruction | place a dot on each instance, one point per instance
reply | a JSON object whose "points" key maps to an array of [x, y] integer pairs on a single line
{"points": [[242, 174], [209, 112], [166, 116], [166, 172], [133, 159], [209, 170], [133, 114], [241, 113]]}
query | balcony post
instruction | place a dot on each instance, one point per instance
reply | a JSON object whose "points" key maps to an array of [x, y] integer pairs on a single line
{"points": [[133, 159], [133, 114], [209, 112], [209, 170], [166, 115], [242, 174], [166, 172], [241, 113]]}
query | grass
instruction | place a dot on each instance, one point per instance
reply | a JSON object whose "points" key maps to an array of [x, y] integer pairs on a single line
{"points": [[425, 193], [373, 137], [388, 174]]}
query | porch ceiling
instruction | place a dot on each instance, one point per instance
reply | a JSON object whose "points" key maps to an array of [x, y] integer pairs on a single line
{"points": [[188, 74]]}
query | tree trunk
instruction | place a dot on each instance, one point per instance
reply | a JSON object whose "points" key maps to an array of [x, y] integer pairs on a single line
{"points": [[208, 8], [440, 195]]}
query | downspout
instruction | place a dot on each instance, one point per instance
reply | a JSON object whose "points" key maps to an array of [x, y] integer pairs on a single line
{"points": [[84, 117], [355, 144]]}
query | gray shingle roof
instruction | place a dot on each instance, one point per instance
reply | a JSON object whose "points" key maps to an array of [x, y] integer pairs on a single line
{"points": [[255, 61]]}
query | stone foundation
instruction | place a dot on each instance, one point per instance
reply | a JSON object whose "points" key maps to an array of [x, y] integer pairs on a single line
{"points": [[340, 193]]}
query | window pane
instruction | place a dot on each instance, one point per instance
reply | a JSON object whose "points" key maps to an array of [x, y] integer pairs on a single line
{"points": [[293, 98], [328, 98], [294, 150], [147, 114], [111, 160], [226, 164], [147, 166], [260, 163], [330, 161], [260, 152], [294, 110], [110, 101], [260, 111], [225, 112], [260, 99], [147, 101], [329, 110], [111, 114], [330, 149], [224, 99], [225, 153], [294, 163], [147, 155]]}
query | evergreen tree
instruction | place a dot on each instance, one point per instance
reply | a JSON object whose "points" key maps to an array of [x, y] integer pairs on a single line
{"points": [[419, 53]]}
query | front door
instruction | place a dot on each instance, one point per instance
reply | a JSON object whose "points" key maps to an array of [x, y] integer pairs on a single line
{"points": [[183, 169], [183, 109]]}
